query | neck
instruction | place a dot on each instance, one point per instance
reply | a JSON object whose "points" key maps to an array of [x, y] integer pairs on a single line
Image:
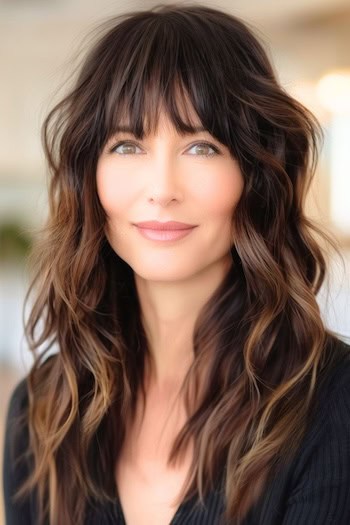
{"points": [[169, 314]]}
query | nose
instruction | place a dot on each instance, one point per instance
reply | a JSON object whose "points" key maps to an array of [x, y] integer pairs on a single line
{"points": [[165, 184]]}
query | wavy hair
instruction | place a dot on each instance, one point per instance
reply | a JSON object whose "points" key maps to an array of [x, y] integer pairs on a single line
{"points": [[261, 332]]}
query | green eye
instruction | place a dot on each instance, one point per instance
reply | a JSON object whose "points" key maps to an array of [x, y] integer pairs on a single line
{"points": [[203, 147], [126, 148]]}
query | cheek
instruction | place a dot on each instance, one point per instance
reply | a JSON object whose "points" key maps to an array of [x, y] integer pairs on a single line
{"points": [[113, 190], [220, 193]]}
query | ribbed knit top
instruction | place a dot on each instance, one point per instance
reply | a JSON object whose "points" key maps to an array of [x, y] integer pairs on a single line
{"points": [[311, 489]]}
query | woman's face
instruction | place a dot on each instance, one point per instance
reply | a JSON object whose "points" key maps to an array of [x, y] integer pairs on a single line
{"points": [[167, 177]]}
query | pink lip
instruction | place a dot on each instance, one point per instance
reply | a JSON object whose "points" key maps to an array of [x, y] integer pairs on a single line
{"points": [[169, 225], [164, 235]]}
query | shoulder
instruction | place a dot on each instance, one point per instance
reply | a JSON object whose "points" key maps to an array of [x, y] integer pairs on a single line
{"points": [[16, 426], [320, 482], [18, 400], [328, 427], [15, 466], [314, 486], [16, 421], [17, 460], [333, 384], [330, 406], [19, 395]]}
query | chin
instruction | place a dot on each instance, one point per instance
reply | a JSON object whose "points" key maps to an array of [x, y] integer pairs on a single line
{"points": [[163, 273]]}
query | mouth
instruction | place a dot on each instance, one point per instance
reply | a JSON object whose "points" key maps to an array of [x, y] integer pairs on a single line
{"points": [[166, 234]]}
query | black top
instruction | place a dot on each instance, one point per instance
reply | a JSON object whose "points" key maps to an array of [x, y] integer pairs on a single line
{"points": [[313, 489]]}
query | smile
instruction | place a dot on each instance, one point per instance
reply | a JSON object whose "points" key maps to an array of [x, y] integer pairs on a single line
{"points": [[164, 235]]}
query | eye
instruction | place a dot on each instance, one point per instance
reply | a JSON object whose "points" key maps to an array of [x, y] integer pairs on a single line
{"points": [[203, 148], [125, 148]]}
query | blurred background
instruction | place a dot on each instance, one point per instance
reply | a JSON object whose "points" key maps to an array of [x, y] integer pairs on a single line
{"points": [[309, 43]]}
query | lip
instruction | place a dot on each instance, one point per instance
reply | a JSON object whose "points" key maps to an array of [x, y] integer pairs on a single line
{"points": [[168, 225], [164, 235]]}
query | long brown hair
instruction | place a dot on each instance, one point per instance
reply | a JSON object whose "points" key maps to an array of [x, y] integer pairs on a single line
{"points": [[261, 331]]}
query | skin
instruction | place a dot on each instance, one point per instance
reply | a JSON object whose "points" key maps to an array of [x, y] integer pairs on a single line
{"points": [[167, 176]]}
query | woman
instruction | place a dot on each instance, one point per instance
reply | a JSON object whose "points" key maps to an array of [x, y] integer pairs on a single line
{"points": [[194, 381]]}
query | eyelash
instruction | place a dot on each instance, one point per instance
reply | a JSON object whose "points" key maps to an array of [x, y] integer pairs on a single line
{"points": [[215, 149]]}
